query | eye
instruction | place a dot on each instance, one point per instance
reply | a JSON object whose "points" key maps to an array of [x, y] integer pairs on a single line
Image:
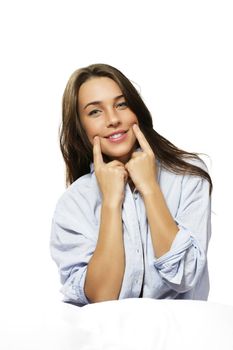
{"points": [[122, 104], [94, 112]]}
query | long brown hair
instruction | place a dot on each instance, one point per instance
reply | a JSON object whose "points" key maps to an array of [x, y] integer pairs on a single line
{"points": [[77, 149]]}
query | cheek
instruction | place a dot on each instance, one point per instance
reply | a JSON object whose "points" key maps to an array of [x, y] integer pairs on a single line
{"points": [[134, 119], [90, 131]]}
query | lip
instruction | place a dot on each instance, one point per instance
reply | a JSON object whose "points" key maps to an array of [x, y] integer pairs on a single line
{"points": [[119, 139], [116, 132]]}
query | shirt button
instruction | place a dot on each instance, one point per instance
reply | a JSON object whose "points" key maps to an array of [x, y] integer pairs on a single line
{"points": [[137, 250]]}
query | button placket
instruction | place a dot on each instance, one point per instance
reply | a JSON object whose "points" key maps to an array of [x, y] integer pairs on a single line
{"points": [[131, 218], [135, 194]]}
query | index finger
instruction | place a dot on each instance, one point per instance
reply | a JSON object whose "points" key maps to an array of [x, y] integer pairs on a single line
{"points": [[97, 154], [141, 139]]}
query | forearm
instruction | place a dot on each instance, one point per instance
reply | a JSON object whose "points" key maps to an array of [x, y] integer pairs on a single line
{"points": [[162, 226], [106, 268]]}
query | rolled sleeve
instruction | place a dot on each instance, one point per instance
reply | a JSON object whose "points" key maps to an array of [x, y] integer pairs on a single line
{"points": [[73, 288], [182, 266]]}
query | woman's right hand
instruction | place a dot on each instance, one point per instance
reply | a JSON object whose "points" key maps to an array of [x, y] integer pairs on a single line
{"points": [[111, 176]]}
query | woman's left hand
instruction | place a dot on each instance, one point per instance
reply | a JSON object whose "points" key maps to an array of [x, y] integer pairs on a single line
{"points": [[142, 165]]}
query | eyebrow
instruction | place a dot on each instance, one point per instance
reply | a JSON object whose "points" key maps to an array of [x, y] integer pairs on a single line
{"points": [[99, 102]]}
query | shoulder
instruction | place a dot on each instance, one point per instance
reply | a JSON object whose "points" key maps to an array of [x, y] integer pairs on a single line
{"points": [[196, 179], [76, 195], [196, 185], [76, 210], [170, 180], [199, 162]]}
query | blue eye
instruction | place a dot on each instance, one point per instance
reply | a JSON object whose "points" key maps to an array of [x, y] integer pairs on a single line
{"points": [[122, 104], [93, 112]]}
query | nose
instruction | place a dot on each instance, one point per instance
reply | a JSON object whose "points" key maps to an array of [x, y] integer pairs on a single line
{"points": [[112, 119]]}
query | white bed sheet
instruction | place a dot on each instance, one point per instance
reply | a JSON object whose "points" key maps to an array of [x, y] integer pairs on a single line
{"points": [[128, 324]]}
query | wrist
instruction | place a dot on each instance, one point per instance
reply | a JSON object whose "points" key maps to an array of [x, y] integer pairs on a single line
{"points": [[111, 204], [153, 189]]}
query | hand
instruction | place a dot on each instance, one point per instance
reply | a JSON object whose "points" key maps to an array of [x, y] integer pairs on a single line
{"points": [[111, 176], [142, 165]]}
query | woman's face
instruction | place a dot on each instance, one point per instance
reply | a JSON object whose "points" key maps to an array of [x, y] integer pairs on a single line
{"points": [[103, 110]]}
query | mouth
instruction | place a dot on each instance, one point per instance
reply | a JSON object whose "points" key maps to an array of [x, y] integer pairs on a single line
{"points": [[117, 137]]}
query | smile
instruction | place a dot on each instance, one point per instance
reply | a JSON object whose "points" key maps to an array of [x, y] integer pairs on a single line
{"points": [[117, 138]]}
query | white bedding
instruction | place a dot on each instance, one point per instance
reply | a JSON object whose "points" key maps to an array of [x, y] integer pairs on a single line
{"points": [[128, 324]]}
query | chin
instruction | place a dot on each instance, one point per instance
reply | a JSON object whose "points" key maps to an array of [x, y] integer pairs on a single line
{"points": [[123, 158], [116, 155]]}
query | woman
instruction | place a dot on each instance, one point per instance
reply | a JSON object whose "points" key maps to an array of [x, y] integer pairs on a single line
{"points": [[135, 220]]}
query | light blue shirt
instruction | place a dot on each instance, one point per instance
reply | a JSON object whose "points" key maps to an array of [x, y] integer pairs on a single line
{"points": [[181, 273]]}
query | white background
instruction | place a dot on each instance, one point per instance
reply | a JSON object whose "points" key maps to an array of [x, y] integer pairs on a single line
{"points": [[178, 53]]}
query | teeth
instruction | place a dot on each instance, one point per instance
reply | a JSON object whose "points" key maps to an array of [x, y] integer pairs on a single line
{"points": [[115, 136]]}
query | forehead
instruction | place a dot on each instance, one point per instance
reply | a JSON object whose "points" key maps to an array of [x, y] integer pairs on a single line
{"points": [[98, 89]]}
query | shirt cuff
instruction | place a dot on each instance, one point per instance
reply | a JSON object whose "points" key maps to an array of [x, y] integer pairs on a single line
{"points": [[73, 289], [171, 264]]}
